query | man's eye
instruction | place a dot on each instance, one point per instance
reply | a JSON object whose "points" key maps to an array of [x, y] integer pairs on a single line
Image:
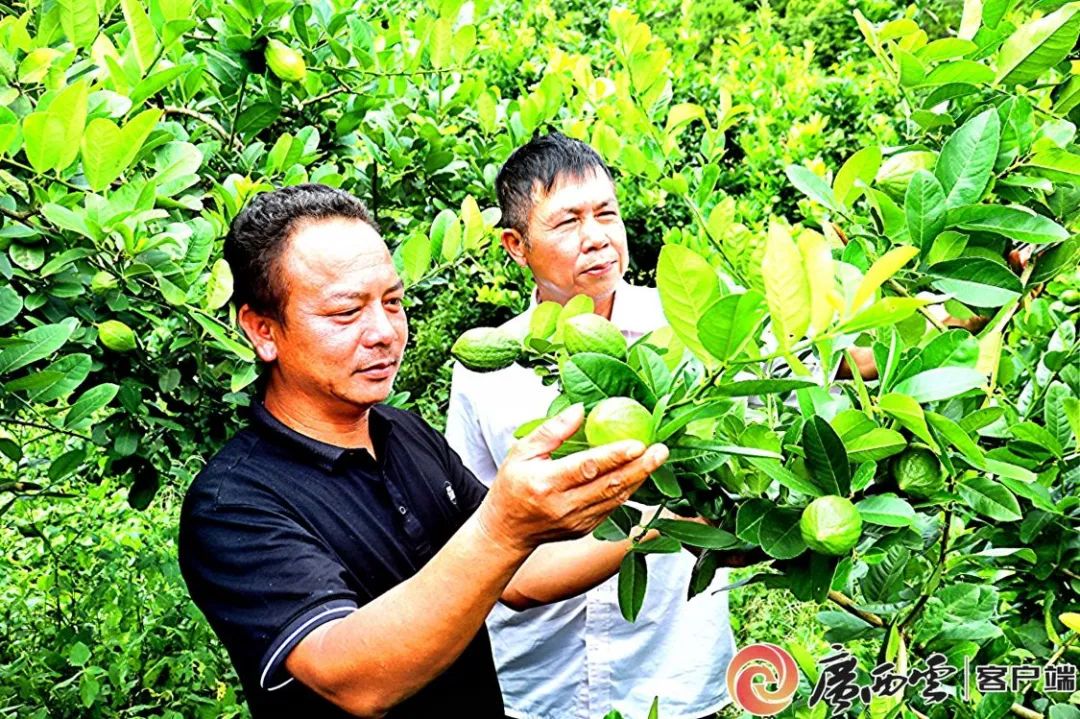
{"points": [[395, 301], [609, 213], [567, 222], [347, 313]]}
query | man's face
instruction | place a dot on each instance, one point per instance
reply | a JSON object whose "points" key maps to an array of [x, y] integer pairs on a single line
{"points": [[345, 329], [576, 238]]}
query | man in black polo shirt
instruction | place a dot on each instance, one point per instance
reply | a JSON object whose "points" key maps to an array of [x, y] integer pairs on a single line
{"points": [[338, 547]]}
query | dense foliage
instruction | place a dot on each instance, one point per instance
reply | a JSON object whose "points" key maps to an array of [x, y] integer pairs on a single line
{"points": [[132, 132]]}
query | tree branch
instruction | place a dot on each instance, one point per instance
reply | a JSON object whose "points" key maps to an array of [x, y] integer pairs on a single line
{"points": [[205, 119], [39, 425]]}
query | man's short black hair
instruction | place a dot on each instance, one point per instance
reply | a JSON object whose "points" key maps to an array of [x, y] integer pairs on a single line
{"points": [[541, 161], [259, 235]]}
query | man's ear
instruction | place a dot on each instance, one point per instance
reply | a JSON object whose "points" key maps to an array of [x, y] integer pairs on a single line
{"points": [[514, 244], [261, 330]]}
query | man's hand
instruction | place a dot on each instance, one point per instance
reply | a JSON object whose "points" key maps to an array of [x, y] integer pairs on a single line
{"points": [[535, 499]]}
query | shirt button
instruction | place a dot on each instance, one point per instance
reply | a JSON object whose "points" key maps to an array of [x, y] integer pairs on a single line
{"points": [[402, 509]]}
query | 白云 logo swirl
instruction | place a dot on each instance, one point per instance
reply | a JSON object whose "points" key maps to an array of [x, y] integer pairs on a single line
{"points": [[775, 667]]}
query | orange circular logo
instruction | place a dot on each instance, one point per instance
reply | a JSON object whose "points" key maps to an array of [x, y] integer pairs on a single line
{"points": [[751, 673]]}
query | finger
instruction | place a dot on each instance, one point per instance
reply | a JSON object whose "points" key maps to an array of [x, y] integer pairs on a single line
{"points": [[546, 438], [585, 466], [613, 488]]}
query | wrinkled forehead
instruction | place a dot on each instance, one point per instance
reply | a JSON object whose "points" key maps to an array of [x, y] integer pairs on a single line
{"points": [[573, 190]]}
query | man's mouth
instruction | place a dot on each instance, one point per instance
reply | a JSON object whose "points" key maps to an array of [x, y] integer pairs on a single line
{"points": [[378, 370], [600, 269]]}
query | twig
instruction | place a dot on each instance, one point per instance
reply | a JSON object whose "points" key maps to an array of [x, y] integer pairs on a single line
{"points": [[206, 119], [39, 425], [848, 605], [32, 171], [239, 109], [898, 289]]}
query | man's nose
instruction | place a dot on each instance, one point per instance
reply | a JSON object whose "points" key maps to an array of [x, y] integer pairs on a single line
{"points": [[378, 330], [593, 234]]}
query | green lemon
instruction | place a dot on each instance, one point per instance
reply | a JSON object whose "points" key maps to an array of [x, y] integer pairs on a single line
{"points": [[484, 349], [285, 62], [592, 333], [116, 336], [617, 418], [896, 171], [831, 525], [918, 472]]}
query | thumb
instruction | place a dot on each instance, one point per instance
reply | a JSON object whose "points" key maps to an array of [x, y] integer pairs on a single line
{"points": [[546, 438]]}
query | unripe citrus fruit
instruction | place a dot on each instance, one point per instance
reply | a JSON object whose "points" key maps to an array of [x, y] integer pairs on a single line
{"points": [[831, 525], [484, 349], [116, 336], [896, 171], [592, 333], [617, 418], [918, 472], [285, 62]]}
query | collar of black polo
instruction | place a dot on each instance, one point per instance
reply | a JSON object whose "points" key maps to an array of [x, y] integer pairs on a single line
{"points": [[329, 457]]}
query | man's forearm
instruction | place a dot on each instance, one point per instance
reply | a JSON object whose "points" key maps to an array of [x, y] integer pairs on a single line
{"points": [[388, 649], [562, 570]]}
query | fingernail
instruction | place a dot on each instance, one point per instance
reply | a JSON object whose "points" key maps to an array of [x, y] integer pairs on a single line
{"points": [[659, 454], [635, 449]]}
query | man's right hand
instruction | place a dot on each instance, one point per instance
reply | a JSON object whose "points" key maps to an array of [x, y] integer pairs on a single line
{"points": [[535, 499]]}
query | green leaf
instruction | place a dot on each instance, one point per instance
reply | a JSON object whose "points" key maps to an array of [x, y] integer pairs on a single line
{"points": [[779, 533], [633, 577], [1056, 164], [758, 387], [66, 463], [924, 207], [141, 30], [787, 288], [886, 266], [590, 377], [811, 185], [909, 414], [107, 150], [749, 518], [10, 304], [441, 40], [967, 158], [863, 165], [1038, 45], [695, 534], [28, 257], [688, 287], [416, 258], [64, 376], [940, 383], [43, 137], [89, 402], [1056, 413], [826, 457], [79, 19], [886, 510], [681, 115], [665, 480], [730, 323], [990, 499], [886, 311], [1017, 224], [965, 71], [945, 49], [35, 344], [78, 654], [64, 259], [785, 477], [220, 286], [976, 281], [222, 337], [876, 444]]}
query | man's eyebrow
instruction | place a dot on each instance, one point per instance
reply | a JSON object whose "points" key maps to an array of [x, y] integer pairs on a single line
{"points": [[577, 207], [398, 287], [361, 294]]}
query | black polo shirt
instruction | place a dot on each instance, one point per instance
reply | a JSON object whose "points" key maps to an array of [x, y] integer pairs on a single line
{"points": [[281, 533]]}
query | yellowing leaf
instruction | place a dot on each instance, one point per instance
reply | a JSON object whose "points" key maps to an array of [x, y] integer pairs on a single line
{"points": [[887, 266], [818, 261], [1071, 620], [787, 289]]}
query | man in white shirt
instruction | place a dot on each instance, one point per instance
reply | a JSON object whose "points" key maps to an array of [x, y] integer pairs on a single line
{"points": [[578, 659]]}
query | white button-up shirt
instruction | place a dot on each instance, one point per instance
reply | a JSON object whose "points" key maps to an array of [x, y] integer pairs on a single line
{"points": [[579, 659]]}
